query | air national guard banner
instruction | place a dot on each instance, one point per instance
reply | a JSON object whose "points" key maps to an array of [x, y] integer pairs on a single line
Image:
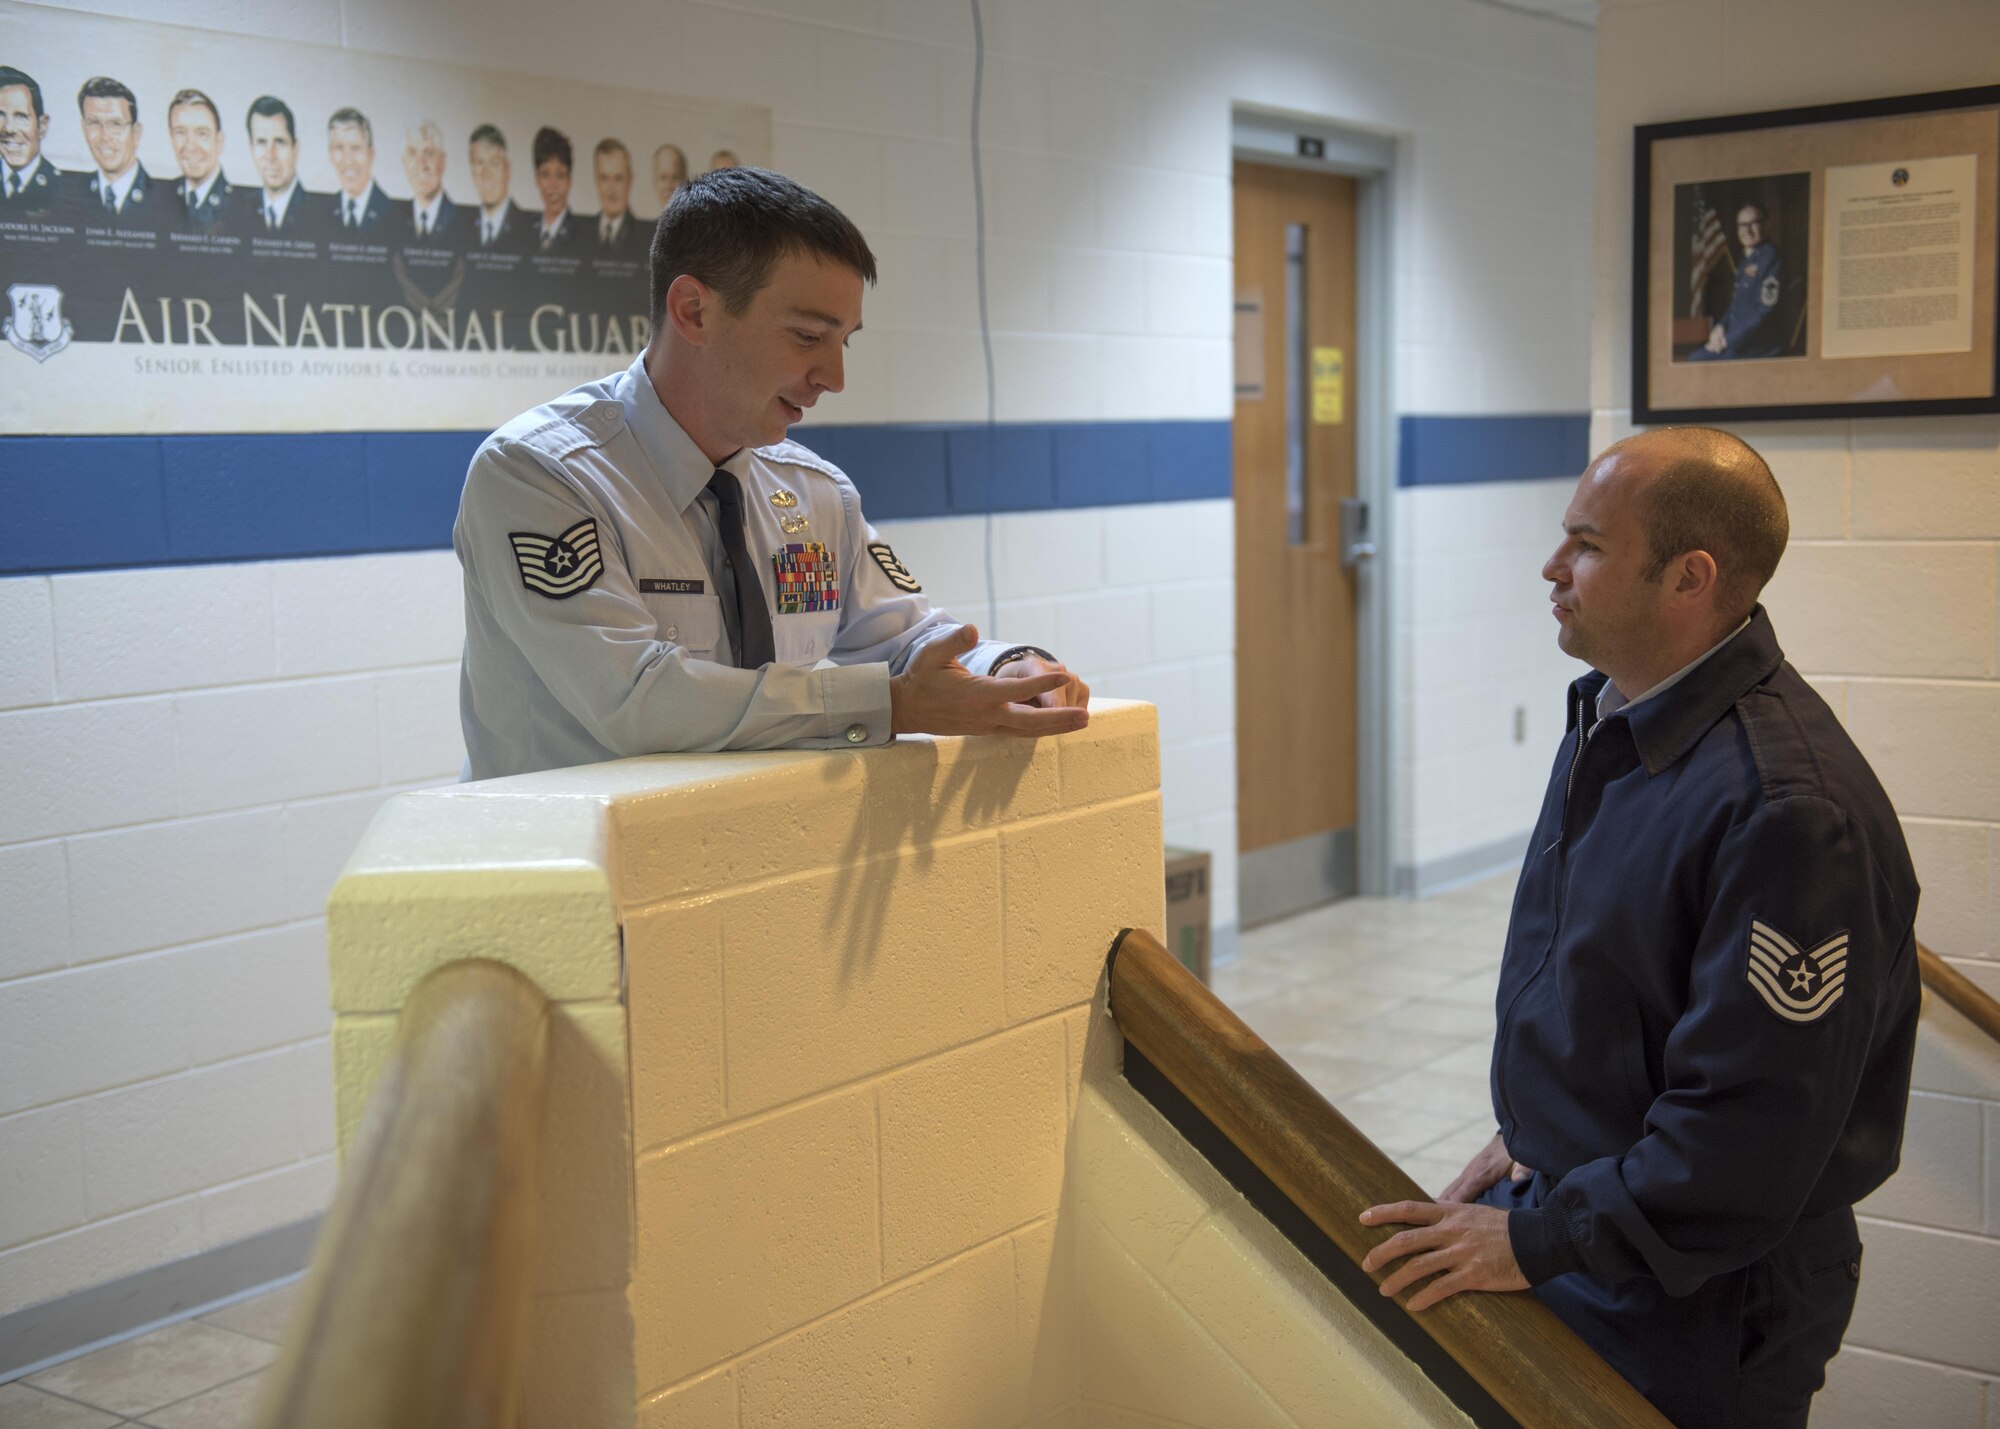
{"points": [[203, 233]]}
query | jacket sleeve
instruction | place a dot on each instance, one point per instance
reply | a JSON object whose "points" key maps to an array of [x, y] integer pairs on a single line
{"points": [[601, 653], [1798, 943]]}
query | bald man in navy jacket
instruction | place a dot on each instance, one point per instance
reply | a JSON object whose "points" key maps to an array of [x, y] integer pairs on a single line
{"points": [[1708, 1001]]}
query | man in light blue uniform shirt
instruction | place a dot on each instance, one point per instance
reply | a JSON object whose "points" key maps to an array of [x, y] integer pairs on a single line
{"points": [[650, 566]]}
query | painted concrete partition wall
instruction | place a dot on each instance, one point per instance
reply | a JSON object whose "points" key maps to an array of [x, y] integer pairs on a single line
{"points": [[855, 991], [1887, 601], [835, 1133], [1195, 1311]]}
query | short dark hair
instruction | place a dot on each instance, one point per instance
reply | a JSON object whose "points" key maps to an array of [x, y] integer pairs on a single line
{"points": [[1716, 496], [488, 134], [729, 227], [351, 115], [103, 86], [194, 96], [9, 77], [272, 107], [613, 146], [553, 144]]}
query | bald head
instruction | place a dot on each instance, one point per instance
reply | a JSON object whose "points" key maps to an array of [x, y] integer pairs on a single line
{"points": [[1699, 489]]}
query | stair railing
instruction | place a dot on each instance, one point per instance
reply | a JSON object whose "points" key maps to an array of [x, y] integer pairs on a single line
{"points": [[1530, 1363], [413, 1313]]}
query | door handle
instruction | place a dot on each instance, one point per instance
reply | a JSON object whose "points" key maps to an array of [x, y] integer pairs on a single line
{"points": [[1356, 545]]}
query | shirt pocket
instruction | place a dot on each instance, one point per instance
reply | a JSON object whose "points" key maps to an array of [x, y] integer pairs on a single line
{"points": [[693, 622], [805, 639]]}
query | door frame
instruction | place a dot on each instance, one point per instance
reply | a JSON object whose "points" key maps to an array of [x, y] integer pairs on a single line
{"points": [[1264, 135]]}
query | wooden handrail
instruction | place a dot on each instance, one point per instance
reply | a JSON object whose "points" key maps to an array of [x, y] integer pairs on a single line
{"points": [[413, 1313], [1531, 1363], [1971, 1000]]}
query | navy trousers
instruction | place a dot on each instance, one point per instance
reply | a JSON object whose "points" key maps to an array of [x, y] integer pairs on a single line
{"points": [[1747, 1350]]}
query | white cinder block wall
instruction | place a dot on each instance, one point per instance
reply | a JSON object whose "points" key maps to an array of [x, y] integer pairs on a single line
{"points": [[1486, 682], [1887, 601], [188, 757], [185, 754]]}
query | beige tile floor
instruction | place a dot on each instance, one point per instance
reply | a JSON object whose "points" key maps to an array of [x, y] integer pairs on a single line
{"points": [[1386, 1005], [200, 1374]]}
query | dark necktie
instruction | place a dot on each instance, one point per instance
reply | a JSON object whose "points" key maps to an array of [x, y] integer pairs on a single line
{"points": [[756, 648]]}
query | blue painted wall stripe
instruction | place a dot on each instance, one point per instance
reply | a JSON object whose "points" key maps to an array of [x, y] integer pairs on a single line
{"points": [[1456, 451], [97, 503]]}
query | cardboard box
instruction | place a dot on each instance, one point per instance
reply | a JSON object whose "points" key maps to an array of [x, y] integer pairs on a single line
{"points": [[1187, 908]]}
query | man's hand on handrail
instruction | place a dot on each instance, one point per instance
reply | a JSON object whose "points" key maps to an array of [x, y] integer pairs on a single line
{"points": [[1464, 1247]]}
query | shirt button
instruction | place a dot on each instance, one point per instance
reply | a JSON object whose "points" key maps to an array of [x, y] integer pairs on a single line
{"points": [[856, 733]]}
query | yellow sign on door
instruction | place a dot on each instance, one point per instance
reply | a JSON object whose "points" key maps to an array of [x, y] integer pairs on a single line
{"points": [[1329, 387]]}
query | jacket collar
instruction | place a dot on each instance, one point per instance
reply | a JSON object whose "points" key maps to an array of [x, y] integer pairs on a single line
{"points": [[1668, 725]]}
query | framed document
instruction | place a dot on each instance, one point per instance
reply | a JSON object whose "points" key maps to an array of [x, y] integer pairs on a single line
{"points": [[1837, 261]]}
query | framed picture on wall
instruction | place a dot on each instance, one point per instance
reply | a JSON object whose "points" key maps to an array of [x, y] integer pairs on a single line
{"points": [[1837, 261]]}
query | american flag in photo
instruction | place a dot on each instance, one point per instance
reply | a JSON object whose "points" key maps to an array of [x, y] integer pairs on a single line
{"points": [[1706, 248]]}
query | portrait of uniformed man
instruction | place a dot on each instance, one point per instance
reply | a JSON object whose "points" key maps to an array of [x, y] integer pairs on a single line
{"points": [[1746, 284], [29, 184], [498, 226], [616, 234], [203, 195], [118, 187], [280, 207], [557, 231], [427, 233], [431, 217], [670, 171], [360, 206]]}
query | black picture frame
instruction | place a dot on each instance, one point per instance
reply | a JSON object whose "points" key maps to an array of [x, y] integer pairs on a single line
{"points": [[1814, 139]]}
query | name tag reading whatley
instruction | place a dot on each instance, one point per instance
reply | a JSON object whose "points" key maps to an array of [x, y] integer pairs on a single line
{"points": [[656, 586]]}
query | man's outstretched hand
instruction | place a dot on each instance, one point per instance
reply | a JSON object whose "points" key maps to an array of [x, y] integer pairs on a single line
{"points": [[935, 694]]}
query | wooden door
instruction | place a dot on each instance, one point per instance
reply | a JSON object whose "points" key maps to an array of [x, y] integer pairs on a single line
{"points": [[1295, 603]]}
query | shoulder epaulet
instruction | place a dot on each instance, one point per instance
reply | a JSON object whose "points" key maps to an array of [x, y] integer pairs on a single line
{"points": [[1786, 765], [790, 453], [559, 433]]}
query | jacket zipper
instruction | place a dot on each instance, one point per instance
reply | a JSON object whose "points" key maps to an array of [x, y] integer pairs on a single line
{"points": [[1584, 734]]}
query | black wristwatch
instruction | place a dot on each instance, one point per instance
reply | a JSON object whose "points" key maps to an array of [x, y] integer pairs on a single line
{"points": [[1019, 652]]}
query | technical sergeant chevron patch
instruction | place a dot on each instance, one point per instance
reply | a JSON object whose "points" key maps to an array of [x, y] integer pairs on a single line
{"points": [[559, 566], [1800, 986]]}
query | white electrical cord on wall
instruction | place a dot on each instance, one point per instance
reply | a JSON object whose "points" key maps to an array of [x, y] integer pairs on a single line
{"points": [[985, 326]]}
